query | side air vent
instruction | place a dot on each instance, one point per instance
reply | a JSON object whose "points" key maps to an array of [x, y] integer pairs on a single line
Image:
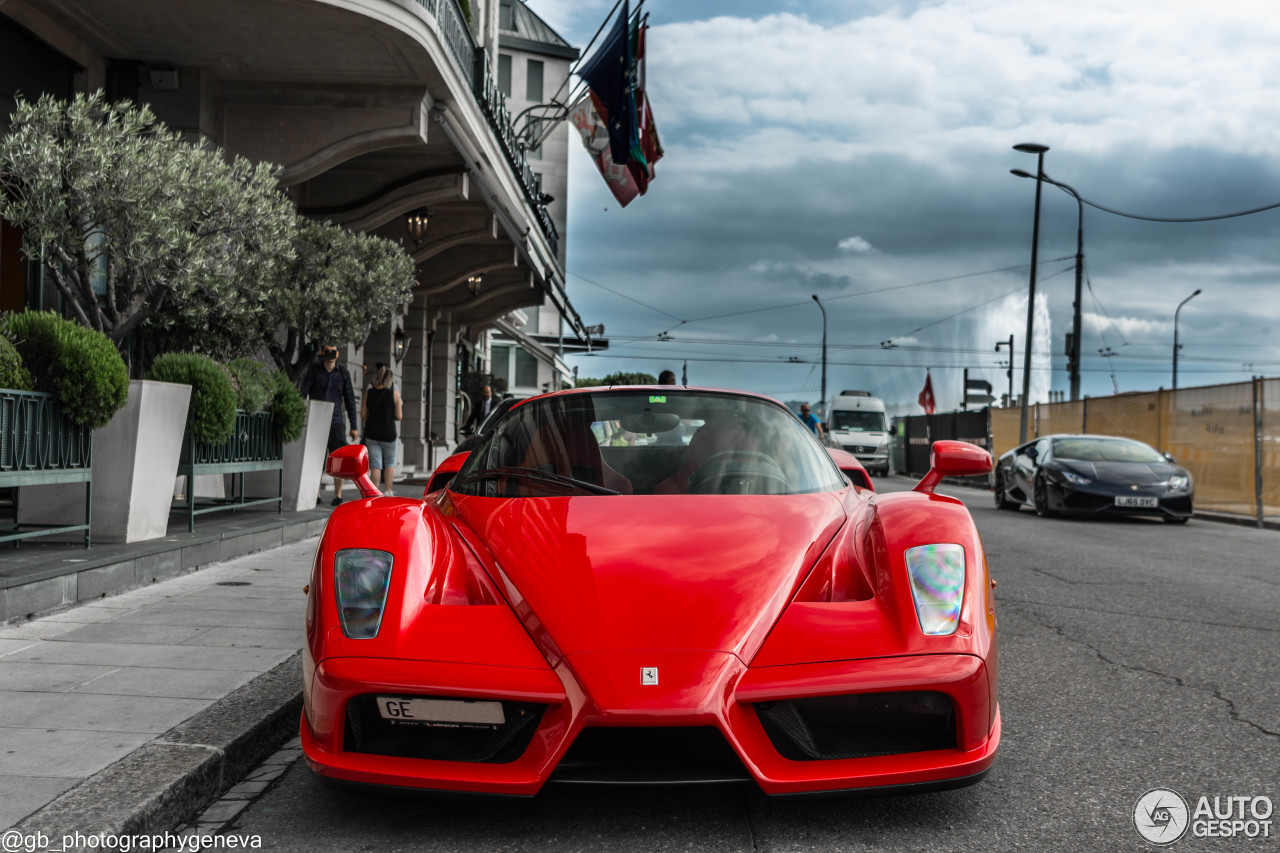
{"points": [[860, 725]]}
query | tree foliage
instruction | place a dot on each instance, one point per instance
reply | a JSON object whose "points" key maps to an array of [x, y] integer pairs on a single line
{"points": [[336, 287], [621, 378], [212, 416], [133, 222]]}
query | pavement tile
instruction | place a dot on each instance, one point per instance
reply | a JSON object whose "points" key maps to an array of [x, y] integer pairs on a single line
{"points": [[172, 614], [166, 682], [264, 638], [128, 631], [213, 601], [38, 629], [94, 712], [16, 676], [60, 754], [223, 811], [89, 614], [8, 647], [25, 794], [142, 654]]}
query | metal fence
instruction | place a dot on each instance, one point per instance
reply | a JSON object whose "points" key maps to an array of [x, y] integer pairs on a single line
{"points": [[1227, 436], [252, 446], [39, 446]]}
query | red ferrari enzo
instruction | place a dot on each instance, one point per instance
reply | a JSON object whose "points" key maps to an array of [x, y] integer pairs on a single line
{"points": [[658, 584]]}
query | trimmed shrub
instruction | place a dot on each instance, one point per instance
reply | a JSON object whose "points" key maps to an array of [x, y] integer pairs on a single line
{"points": [[13, 374], [255, 388], [288, 409], [213, 398], [78, 365]]}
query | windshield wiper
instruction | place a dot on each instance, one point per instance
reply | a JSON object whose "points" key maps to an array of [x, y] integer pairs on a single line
{"points": [[536, 476]]}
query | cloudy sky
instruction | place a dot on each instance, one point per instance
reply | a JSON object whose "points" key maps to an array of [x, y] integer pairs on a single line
{"points": [[861, 151]]}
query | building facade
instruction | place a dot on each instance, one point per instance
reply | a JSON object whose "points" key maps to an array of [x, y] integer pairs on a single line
{"points": [[373, 110]]}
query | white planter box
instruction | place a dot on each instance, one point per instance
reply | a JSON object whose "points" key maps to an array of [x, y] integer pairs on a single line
{"points": [[303, 463], [135, 461]]}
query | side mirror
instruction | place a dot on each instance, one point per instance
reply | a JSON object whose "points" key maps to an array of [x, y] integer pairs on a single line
{"points": [[1031, 452], [352, 463], [1168, 457], [953, 459]]}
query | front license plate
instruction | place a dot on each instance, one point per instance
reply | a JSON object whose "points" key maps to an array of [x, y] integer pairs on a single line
{"points": [[451, 713], [1140, 503]]}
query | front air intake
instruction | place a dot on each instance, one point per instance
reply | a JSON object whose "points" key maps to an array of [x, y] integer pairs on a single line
{"points": [[860, 725], [367, 731], [660, 754]]}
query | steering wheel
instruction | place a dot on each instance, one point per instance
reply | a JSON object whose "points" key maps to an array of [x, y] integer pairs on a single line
{"points": [[738, 472]]}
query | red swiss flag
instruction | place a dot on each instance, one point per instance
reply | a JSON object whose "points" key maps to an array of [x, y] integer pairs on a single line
{"points": [[926, 395]]}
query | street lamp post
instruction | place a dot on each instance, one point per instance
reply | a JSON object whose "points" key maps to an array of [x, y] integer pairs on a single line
{"points": [[1038, 150], [1009, 372], [824, 355], [1175, 335], [1074, 369]]}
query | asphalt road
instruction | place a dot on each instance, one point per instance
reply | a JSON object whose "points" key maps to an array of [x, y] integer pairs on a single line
{"points": [[1134, 655]]}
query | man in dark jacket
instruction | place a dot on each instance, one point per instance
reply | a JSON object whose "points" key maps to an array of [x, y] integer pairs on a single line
{"points": [[328, 380]]}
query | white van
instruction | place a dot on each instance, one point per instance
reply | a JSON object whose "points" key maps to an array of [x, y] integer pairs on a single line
{"points": [[856, 423]]}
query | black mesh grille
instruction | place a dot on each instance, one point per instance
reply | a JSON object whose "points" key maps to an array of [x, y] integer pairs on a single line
{"points": [[859, 725], [368, 732], [650, 754]]}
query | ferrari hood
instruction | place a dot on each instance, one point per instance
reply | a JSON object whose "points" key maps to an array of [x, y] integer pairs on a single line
{"points": [[654, 572]]}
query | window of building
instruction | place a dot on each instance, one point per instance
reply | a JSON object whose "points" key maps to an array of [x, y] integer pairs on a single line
{"points": [[500, 362], [507, 17], [504, 74], [526, 369], [533, 83], [534, 133]]}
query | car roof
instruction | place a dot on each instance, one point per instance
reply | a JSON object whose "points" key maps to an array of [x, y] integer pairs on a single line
{"points": [[735, 392]]}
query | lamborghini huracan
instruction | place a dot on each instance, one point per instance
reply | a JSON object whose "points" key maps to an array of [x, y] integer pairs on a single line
{"points": [[651, 584]]}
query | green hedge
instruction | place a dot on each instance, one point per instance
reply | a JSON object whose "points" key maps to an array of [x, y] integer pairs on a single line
{"points": [[13, 374], [78, 365], [213, 398], [288, 409], [256, 386]]}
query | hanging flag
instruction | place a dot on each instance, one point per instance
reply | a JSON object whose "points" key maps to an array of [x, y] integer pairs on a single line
{"points": [[610, 75], [684, 374], [650, 148], [586, 115], [926, 395]]}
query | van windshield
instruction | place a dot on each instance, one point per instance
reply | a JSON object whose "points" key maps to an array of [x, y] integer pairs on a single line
{"points": [[858, 421]]}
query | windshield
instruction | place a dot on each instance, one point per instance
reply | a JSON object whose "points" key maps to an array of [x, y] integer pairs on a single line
{"points": [[647, 442], [858, 421], [1104, 450]]}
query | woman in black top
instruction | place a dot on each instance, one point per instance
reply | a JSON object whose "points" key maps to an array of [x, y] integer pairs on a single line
{"points": [[379, 411]]}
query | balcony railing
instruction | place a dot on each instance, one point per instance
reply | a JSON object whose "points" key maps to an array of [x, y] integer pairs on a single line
{"points": [[474, 66], [39, 446]]}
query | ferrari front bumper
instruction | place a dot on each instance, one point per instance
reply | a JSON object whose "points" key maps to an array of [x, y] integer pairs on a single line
{"points": [[728, 693]]}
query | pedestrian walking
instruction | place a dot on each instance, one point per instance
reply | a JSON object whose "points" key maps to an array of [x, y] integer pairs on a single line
{"points": [[328, 380], [380, 409], [810, 420]]}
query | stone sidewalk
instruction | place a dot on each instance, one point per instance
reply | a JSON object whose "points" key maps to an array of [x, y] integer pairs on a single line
{"points": [[83, 688]]}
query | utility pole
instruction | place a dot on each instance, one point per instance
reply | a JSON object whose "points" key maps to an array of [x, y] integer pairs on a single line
{"points": [[825, 414]]}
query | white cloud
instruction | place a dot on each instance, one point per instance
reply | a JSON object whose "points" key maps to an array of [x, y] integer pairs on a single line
{"points": [[970, 74], [854, 244]]}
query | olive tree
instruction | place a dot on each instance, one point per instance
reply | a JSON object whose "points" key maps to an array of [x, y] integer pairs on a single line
{"points": [[336, 287], [135, 224]]}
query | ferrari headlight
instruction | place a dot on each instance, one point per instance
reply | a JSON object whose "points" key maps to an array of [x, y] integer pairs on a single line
{"points": [[1076, 479], [937, 585], [1179, 482], [361, 577]]}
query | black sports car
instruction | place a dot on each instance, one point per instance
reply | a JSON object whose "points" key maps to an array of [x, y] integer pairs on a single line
{"points": [[1093, 475]]}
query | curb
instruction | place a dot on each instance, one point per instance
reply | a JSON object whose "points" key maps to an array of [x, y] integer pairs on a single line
{"points": [[168, 781]]}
